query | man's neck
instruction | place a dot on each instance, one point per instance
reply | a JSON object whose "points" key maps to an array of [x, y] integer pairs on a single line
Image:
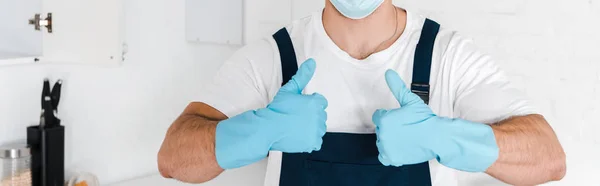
{"points": [[361, 38]]}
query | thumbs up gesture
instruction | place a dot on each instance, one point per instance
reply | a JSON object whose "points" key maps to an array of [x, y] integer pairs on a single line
{"points": [[291, 123], [413, 134], [298, 119]]}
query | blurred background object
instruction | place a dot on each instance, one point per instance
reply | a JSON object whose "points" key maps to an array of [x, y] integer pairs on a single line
{"points": [[15, 162]]}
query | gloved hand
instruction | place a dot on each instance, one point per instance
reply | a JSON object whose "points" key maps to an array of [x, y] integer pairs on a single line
{"points": [[413, 134], [291, 123]]}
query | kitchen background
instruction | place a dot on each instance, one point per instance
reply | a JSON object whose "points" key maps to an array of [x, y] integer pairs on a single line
{"points": [[116, 117]]}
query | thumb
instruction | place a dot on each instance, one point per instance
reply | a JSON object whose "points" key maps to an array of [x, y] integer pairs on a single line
{"points": [[404, 96], [302, 77]]}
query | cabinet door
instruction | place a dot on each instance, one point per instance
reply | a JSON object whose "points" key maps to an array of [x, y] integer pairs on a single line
{"points": [[84, 32], [217, 22], [18, 39]]}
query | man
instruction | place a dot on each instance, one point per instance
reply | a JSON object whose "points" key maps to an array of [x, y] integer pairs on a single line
{"points": [[347, 116]]}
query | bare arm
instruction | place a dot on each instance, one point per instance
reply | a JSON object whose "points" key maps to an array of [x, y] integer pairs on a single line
{"points": [[530, 152], [188, 151]]}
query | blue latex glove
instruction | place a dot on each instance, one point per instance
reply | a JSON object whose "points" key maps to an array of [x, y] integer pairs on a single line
{"points": [[413, 134], [291, 123]]}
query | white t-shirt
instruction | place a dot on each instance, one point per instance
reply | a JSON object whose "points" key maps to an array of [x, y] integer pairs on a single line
{"points": [[464, 84]]}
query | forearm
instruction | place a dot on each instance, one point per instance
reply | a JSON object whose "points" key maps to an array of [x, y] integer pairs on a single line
{"points": [[530, 152], [188, 151]]}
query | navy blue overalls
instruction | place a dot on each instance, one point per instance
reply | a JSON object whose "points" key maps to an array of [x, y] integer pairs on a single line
{"points": [[351, 159]]}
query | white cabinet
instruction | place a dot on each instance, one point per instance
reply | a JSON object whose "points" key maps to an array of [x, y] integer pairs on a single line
{"points": [[217, 22], [82, 31]]}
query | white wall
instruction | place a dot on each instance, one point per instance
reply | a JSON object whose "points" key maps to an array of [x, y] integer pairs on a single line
{"points": [[116, 117]]}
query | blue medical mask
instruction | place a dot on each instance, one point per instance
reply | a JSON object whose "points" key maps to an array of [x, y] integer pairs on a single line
{"points": [[356, 9]]}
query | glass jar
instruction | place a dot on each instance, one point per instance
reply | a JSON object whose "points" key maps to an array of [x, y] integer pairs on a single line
{"points": [[15, 165]]}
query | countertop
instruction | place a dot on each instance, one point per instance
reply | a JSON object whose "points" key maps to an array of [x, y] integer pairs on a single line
{"points": [[252, 175]]}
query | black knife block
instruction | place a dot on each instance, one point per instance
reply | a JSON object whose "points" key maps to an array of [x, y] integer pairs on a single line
{"points": [[55, 155]]}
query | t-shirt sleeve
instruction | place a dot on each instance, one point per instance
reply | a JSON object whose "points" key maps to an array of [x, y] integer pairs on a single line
{"points": [[484, 93], [239, 84]]}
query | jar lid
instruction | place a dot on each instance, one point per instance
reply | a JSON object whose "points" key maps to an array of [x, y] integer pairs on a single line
{"points": [[14, 151]]}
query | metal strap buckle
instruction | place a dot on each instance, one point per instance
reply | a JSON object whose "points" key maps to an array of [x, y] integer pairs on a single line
{"points": [[422, 90]]}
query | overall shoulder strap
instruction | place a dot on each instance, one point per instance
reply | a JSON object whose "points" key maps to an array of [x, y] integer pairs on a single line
{"points": [[422, 62], [289, 63]]}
